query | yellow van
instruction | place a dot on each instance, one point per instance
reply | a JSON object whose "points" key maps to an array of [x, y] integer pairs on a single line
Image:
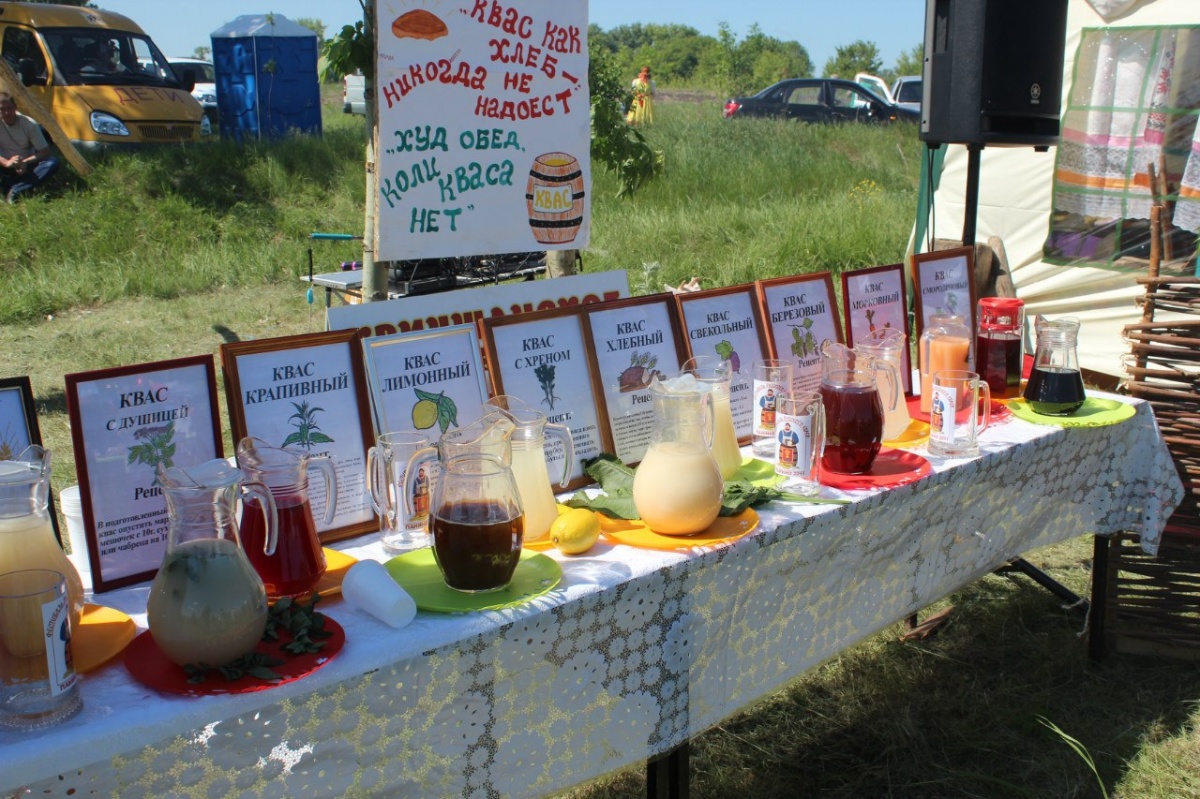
{"points": [[99, 74]]}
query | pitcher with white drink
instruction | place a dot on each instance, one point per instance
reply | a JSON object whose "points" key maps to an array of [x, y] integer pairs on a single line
{"points": [[529, 460]]}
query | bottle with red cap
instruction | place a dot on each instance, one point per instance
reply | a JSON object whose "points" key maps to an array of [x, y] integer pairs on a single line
{"points": [[998, 352]]}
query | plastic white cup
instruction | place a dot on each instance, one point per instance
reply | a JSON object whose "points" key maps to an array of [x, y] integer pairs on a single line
{"points": [[367, 585], [71, 505]]}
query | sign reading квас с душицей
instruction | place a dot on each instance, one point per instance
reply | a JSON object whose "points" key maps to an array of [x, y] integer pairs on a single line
{"points": [[484, 128]]}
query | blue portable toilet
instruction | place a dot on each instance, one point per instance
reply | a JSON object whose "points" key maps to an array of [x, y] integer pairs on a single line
{"points": [[267, 82]]}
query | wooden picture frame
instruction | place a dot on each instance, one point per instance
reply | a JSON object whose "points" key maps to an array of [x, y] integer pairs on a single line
{"points": [[876, 296], [275, 388], [943, 279], [124, 422], [633, 340], [727, 322], [441, 366], [19, 429], [542, 358], [800, 314]]}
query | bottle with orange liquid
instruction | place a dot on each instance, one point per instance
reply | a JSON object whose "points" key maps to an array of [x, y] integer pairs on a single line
{"points": [[945, 344]]}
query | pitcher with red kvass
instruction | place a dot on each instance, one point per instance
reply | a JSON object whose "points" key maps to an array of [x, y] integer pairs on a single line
{"points": [[298, 561]]}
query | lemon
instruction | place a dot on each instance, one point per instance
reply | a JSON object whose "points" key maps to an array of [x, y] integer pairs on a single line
{"points": [[563, 508], [575, 531], [424, 414]]}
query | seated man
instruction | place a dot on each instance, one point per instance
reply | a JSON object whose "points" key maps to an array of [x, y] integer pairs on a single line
{"points": [[25, 160]]}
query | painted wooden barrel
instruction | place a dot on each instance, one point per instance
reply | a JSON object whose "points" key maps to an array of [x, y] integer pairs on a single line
{"points": [[554, 197]]}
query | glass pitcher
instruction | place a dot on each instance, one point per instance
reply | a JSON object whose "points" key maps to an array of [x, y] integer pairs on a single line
{"points": [[207, 604], [298, 561], [677, 488], [26, 536], [854, 415], [883, 345], [1055, 386], [945, 344], [716, 374], [529, 459]]}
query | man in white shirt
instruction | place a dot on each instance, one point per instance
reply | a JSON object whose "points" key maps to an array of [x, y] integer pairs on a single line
{"points": [[25, 159]]}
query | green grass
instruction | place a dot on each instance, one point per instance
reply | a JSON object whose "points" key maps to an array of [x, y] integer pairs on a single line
{"points": [[170, 253]]}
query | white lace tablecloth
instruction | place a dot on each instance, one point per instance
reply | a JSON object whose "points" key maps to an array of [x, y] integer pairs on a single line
{"points": [[635, 652]]}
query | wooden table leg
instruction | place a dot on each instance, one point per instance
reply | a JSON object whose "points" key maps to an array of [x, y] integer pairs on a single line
{"points": [[667, 775], [1100, 545]]}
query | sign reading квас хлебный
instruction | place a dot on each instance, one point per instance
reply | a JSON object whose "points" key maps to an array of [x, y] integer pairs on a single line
{"points": [[484, 133]]}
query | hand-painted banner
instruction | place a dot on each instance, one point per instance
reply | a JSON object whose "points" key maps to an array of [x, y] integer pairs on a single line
{"points": [[484, 134]]}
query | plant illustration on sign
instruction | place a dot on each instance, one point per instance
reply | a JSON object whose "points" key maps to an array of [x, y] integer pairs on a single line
{"points": [[545, 376], [803, 343], [951, 302], [157, 447], [870, 320], [434, 408], [641, 372], [726, 352], [8, 443], [308, 433]]}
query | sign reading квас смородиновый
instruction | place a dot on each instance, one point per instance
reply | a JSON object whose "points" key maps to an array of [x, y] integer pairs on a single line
{"points": [[483, 127]]}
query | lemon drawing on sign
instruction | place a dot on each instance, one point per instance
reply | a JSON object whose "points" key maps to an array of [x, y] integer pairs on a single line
{"points": [[431, 409], [575, 532]]}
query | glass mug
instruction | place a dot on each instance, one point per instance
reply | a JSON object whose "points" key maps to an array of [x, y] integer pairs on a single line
{"points": [[799, 442], [954, 418], [386, 464], [772, 380]]}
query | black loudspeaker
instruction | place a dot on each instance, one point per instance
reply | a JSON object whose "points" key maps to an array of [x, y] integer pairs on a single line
{"points": [[993, 71]]}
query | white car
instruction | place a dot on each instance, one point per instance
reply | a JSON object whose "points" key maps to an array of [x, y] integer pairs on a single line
{"points": [[354, 94], [907, 91], [205, 90]]}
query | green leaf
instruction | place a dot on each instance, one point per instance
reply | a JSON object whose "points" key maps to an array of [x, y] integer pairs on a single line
{"points": [[616, 505], [320, 438], [724, 350], [294, 438], [608, 470], [425, 395]]}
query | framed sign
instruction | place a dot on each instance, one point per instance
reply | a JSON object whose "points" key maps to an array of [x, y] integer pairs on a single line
{"points": [[876, 299], [542, 358], [633, 341], [126, 421], [801, 315], [308, 393], [944, 282], [425, 381], [19, 428], [727, 322]]}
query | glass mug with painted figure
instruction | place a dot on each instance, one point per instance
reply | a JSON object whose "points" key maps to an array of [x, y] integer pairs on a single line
{"points": [[677, 487], [531, 432], [386, 461], [800, 443], [715, 375], [772, 380], [26, 535], [955, 420], [945, 344], [298, 561]]}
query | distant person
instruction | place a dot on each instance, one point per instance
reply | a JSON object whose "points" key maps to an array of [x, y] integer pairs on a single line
{"points": [[642, 110], [104, 58], [25, 159]]}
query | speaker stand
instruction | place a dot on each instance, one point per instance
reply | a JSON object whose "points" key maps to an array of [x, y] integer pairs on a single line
{"points": [[974, 153]]}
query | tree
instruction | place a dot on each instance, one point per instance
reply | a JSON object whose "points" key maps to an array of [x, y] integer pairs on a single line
{"points": [[849, 59], [202, 53], [314, 25], [912, 62]]}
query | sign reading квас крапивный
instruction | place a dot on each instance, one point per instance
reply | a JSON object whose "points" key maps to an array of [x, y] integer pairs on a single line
{"points": [[484, 129]]}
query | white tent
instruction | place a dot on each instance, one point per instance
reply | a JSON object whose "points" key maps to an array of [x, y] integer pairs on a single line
{"points": [[1017, 185]]}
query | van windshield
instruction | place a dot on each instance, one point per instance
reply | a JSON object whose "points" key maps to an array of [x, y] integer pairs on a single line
{"points": [[85, 56]]}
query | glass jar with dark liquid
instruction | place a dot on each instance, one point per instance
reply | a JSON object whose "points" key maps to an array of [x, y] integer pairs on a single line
{"points": [[1055, 386], [477, 523], [998, 351]]}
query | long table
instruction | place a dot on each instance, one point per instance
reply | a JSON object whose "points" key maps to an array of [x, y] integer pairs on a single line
{"points": [[635, 652]]}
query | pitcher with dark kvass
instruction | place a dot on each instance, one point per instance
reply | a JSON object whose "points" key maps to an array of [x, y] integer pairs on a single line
{"points": [[1055, 386], [998, 352]]}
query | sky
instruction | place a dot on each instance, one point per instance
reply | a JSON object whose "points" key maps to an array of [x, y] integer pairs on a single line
{"points": [[895, 26]]}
